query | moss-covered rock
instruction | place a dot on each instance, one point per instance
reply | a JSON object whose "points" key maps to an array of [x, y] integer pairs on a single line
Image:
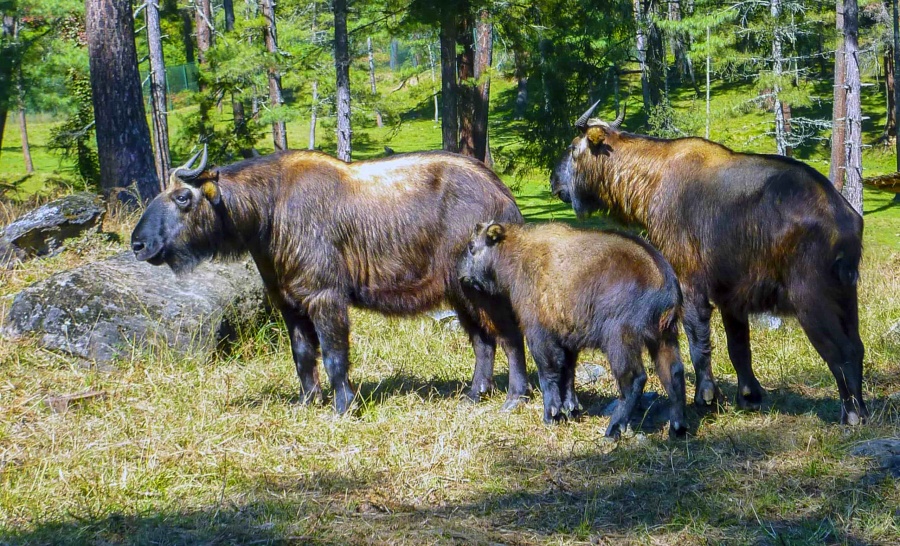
{"points": [[103, 310]]}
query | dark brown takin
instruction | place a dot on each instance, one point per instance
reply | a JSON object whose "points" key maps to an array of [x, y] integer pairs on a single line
{"points": [[749, 233], [325, 235], [575, 289]]}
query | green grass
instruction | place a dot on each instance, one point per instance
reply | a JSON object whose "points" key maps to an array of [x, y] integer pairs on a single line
{"points": [[216, 450]]}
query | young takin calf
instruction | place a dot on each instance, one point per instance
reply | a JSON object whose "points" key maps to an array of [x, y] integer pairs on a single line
{"points": [[382, 235], [746, 232], [571, 290]]}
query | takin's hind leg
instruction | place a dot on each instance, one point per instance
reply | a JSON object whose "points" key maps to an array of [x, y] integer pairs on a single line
{"points": [[666, 356], [570, 402], [833, 329], [630, 375], [304, 347], [737, 330], [550, 358]]}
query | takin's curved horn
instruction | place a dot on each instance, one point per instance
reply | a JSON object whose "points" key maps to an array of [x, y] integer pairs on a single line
{"points": [[581, 123], [620, 118], [185, 172]]}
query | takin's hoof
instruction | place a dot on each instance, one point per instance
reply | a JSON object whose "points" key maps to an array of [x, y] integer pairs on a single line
{"points": [[708, 395], [553, 415], [478, 390], [749, 399], [615, 431], [677, 430], [310, 397], [854, 418], [344, 401]]}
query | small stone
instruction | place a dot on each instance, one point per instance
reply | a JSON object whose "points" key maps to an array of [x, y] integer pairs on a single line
{"points": [[590, 373]]}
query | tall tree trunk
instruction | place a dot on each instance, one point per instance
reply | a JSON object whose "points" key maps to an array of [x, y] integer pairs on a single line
{"points": [[890, 126], [394, 55], [187, 38], [378, 121], [780, 137], [641, 45], [484, 51], [466, 92], [279, 131], [7, 69], [708, 70], [853, 182], [239, 117], [158, 94], [123, 138], [896, 77], [433, 82], [521, 74], [203, 22], [313, 115], [839, 111], [656, 57], [23, 127], [342, 68], [449, 120], [681, 47]]}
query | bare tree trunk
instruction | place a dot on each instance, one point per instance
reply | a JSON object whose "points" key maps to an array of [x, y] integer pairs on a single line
{"points": [[484, 50], [853, 184], [7, 71], [158, 94], [890, 126], [680, 48], [23, 127], [896, 77], [378, 121], [656, 57], [279, 131], [342, 68], [641, 44], [313, 116], [839, 111], [708, 70], [433, 82], [780, 140], [449, 120], [521, 74], [394, 55], [466, 92], [203, 21], [123, 138]]}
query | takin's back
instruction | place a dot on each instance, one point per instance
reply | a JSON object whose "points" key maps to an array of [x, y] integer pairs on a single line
{"points": [[387, 231]]}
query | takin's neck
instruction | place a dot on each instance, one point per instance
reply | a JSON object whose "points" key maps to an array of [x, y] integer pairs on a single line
{"points": [[628, 175], [247, 210]]}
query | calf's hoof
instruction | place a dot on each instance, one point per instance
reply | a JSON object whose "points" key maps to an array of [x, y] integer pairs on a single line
{"points": [[311, 396], [708, 395], [853, 418], [478, 389], [677, 429]]}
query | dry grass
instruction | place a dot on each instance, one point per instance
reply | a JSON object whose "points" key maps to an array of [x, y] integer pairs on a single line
{"points": [[217, 451]]}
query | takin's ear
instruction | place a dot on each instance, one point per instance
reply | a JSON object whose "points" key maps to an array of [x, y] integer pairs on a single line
{"points": [[209, 186], [494, 234], [595, 135]]}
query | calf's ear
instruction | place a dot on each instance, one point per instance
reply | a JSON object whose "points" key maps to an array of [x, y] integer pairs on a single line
{"points": [[494, 234]]}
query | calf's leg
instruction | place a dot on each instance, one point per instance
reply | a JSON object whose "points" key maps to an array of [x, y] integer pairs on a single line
{"points": [[737, 329], [631, 377], [667, 358], [550, 358], [567, 384]]}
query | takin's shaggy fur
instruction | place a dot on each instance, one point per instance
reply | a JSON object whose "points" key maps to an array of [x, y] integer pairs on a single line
{"points": [[571, 290], [324, 234], [749, 233]]}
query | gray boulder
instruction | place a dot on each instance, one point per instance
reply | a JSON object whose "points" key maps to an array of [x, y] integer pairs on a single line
{"points": [[102, 310], [886, 450], [43, 231]]}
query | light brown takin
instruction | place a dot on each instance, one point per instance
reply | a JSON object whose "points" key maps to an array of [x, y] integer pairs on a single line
{"points": [[749, 233], [574, 289], [325, 235]]}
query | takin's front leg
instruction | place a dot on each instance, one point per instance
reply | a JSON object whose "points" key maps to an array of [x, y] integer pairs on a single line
{"points": [[697, 314], [328, 311], [737, 330], [551, 360], [304, 346]]}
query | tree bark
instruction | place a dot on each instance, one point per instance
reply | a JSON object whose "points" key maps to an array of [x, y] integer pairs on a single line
{"points": [[7, 70], [279, 130], [449, 119], [656, 57], [203, 21], [433, 83], [839, 110], [378, 121], [641, 46], [890, 126], [466, 92], [239, 117], [780, 137], [23, 126], [342, 69], [313, 116], [708, 70], [853, 181], [521, 74], [123, 138], [394, 54], [484, 51], [158, 94]]}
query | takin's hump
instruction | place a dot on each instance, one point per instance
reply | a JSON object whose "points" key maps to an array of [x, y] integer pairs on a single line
{"points": [[104, 310], [43, 231]]}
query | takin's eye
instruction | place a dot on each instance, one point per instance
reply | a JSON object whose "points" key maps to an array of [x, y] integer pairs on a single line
{"points": [[183, 198], [471, 247]]}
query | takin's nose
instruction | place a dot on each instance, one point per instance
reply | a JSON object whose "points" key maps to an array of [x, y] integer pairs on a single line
{"points": [[137, 246]]}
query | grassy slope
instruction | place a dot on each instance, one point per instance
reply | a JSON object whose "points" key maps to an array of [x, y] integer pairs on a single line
{"points": [[217, 451]]}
